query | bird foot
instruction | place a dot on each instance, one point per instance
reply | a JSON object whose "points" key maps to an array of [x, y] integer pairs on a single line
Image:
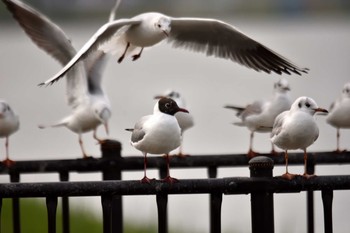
{"points": [[170, 180], [339, 151], [288, 176], [252, 154], [87, 157], [135, 57], [121, 59], [308, 176], [181, 155], [146, 180], [101, 141], [8, 162]]}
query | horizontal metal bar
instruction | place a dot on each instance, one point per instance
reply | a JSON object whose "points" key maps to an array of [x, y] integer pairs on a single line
{"points": [[129, 163], [235, 185]]}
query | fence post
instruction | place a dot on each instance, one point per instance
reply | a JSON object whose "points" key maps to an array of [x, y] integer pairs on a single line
{"points": [[310, 168], [111, 149], [64, 176], [51, 205], [215, 205], [262, 202], [162, 205], [14, 178], [0, 212], [327, 198]]}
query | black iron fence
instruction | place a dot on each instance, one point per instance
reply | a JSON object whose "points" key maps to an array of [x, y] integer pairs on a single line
{"points": [[261, 186]]}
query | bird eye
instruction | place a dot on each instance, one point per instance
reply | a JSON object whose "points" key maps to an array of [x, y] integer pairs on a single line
{"points": [[307, 104], [299, 104], [158, 25]]}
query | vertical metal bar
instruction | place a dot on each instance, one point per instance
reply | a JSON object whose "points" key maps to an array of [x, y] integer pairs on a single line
{"points": [[14, 178], [112, 150], [262, 202], [215, 212], [51, 205], [0, 212], [215, 205], [106, 201], [310, 168], [327, 199], [310, 211], [64, 176], [162, 206]]}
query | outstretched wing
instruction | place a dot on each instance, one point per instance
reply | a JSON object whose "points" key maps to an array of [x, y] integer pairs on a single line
{"points": [[102, 35], [219, 39]]}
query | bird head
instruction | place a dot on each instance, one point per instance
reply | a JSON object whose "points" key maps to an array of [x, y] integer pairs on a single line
{"points": [[308, 105], [163, 24], [282, 86], [4, 108], [168, 106], [346, 90]]}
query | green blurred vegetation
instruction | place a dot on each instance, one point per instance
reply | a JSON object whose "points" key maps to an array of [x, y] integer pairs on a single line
{"points": [[34, 219]]}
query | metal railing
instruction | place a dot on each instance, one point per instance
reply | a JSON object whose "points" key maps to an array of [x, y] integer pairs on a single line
{"points": [[261, 185]]}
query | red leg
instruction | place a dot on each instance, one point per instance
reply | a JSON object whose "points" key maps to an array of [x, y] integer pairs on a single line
{"points": [[168, 178], [85, 156], [145, 179], [8, 162], [307, 176], [251, 153], [287, 175]]}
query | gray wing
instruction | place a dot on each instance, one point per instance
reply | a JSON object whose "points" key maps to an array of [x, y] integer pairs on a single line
{"points": [[138, 132], [277, 125], [52, 39], [103, 34], [44, 33], [96, 62], [252, 109], [219, 39]]}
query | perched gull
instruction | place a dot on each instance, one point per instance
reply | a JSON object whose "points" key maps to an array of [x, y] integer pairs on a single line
{"points": [[339, 113], [9, 124], [296, 129], [260, 115], [185, 119], [209, 36], [90, 105], [159, 133]]}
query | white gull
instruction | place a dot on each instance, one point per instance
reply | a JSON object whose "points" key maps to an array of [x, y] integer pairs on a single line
{"points": [[210, 36]]}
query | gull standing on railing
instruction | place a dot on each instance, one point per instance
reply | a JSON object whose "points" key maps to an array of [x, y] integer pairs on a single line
{"points": [[185, 119], [158, 133], [9, 124], [85, 95], [339, 113], [210, 36], [260, 115], [297, 129]]}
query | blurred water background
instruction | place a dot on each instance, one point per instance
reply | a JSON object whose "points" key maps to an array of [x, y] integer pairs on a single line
{"points": [[313, 34]]}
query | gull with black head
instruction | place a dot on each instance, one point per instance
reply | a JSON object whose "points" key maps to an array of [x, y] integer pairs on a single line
{"points": [[158, 133], [184, 119]]}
